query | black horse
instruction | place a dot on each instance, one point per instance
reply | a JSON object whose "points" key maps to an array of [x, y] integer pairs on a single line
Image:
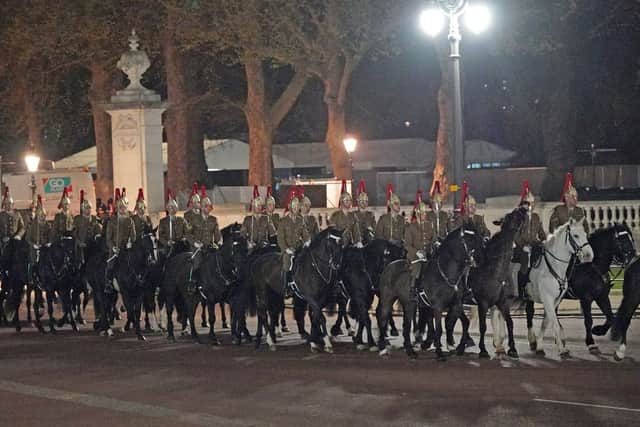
{"points": [[315, 273], [95, 273], [590, 281], [441, 278], [490, 283], [55, 274], [15, 276], [628, 306], [131, 269]]}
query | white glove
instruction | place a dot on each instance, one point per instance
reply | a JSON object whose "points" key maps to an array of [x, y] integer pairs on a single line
{"points": [[129, 245], [198, 245], [527, 249], [215, 245], [307, 243], [48, 245], [359, 245], [5, 239], [289, 251], [251, 245], [97, 236], [115, 249], [36, 246], [83, 245], [421, 255], [171, 243], [17, 237], [437, 244]]}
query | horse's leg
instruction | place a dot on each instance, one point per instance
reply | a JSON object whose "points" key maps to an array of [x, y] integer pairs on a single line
{"points": [[605, 306], [345, 316], [137, 314], [262, 314], [531, 336], [29, 287], [548, 319], [37, 301], [212, 321], [421, 325], [283, 320], [465, 339], [449, 326], [482, 325], [67, 306], [437, 319], [408, 314], [506, 313], [392, 324], [52, 321], [588, 323], [299, 311], [203, 314], [223, 316], [168, 306], [319, 328]]}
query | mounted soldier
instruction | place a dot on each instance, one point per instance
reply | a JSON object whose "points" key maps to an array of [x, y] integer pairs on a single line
{"points": [[291, 237], [344, 220], [38, 234], [172, 228], [309, 222], [63, 221], [569, 209], [140, 217], [255, 226], [468, 213], [194, 219], [211, 236], [366, 219], [273, 219], [419, 237], [120, 235], [437, 216], [391, 225], [529, 240], [11, 222], [86, 228]]}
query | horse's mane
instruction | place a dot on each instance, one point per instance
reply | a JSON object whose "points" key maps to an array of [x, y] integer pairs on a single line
{"points": [[560, 230], [315, 242]]}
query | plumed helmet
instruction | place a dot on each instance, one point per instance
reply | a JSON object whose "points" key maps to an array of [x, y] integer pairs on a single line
{"points": [[194, 197], [436, 193], [392, 198], [568, 188], [293, 202], [257, 202], [416, 205], [122, 201], [7, 200], [64, 200], [270, 199], [204, 197], [171, 200], [466, 199], [421, 208], [304, 199], [345, 196], [362, 192], [526, 196], [140, 203], [84, 202], [40, 210]]}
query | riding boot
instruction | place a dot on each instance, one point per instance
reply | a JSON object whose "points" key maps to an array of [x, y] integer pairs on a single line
{"points": [[420, 293], [522, 286], [289, 284], [108, 285]]}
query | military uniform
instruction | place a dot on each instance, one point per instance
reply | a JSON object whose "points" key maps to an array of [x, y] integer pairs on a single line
{"points": [[530, 235], [210, 231], [38, 233], [62, 223], [441, 223], [120, 231], [478, 223], [195, 228], [172, 229], [310, 224], [348, 224], [562, 214], [11, 225], [273, 223], [366, 224], [140, 222], [85, 229], [255, 228], [418, 238], [291, 236], [390, 227]]}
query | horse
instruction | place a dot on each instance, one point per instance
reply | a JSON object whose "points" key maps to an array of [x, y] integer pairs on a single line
{"points": [[548, 282], [54, 274], [628, 306], [16, 261], [315, 273], [131, 269], [441, 279], [95, 273], [490, 282], [590, 281]]}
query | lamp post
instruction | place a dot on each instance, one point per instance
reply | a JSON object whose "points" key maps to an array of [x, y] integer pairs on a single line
{"points": [[32, 160], [477, 19], [350, 144]]}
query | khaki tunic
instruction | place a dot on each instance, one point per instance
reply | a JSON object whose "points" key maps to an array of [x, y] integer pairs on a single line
{"points": [[441, 223], [11, 224], [348, 224], [366, 223], [390, 227], [273, 222], [561, 216], [531, 234], [419, 237], [310, 224], [255, 228], [210, 231], [120, 231], [477, 221], [171, 229], [291, 235], [196, 228], [140, 222], [62, 223], [85, 228], [37, 233]]}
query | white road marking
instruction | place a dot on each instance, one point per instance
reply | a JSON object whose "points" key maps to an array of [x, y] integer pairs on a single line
{"points": [[109, 403], [589, 405]]}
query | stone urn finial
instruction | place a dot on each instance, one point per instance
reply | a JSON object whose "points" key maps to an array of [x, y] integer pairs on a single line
{"points": [[134, 63]]}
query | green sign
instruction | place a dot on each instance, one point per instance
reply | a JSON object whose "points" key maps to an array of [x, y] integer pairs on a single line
{"points": [[56, 184]]}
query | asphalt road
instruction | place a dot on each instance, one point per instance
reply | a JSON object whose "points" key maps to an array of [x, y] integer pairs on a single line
{"points": [[80, 379]]}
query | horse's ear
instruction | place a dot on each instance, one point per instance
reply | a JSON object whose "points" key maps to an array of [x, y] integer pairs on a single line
{"points": [[571, 221]]}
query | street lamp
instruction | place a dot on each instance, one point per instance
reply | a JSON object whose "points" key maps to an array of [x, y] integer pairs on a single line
{"points": [[477, 18], [350, 144], [32, 160]]}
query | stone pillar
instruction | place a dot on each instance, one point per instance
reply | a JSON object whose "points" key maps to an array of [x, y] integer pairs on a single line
{"points": [[136, 132]]}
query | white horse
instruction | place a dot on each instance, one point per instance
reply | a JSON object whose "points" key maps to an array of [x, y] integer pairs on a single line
{"points": [[548, 283]]}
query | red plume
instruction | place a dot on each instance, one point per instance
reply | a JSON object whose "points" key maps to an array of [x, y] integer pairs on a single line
{"points": [[567, 183], [65, 193], [256, 192], [292, 194], [435, 189], [203, 191], [463, 198], [525, 190], [415, 205], [117, 194], [300, 190], [140, 195], [194, 192], [343, 187], [269, 191], [81, 197], [389, 192], [39, 202], [361, 187]]}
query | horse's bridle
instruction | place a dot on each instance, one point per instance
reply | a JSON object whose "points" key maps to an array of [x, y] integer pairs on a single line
{"points": [[333, 266], [577, 250], [469, 261]]}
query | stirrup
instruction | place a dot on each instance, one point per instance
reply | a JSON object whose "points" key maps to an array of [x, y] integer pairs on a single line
{"points": [[423, 297]]}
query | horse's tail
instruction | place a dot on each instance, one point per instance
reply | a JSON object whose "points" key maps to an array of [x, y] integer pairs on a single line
{"points": [[629, 303], [252, 303]]}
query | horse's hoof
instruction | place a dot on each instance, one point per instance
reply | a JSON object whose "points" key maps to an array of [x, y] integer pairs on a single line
{"points": [[394, 333], [18, 329], [171, 338], [285, 328], [235, 341], [460, 350], [565, 354], [204, 324], [141, 337], [126, 328], [513, 353], [412, 353], [328, 350], [82, 322], [600, 330], [314, 347], [361, 347], [593, 349], [483, 354], [225, 325], [335, 331], [617, 356], [384, 352], [185, 333], [278, 333], [53, 330], [75, 328], [417, 339], [469, 342], [215, 341], [451, 348], [540, 353], [373, 348], [304, 336], [533, 345], [352, 332]]}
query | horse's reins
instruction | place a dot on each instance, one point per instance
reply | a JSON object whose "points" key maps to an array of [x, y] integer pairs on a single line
{"points": [[332, 267], [577, 250], [468, 261]]}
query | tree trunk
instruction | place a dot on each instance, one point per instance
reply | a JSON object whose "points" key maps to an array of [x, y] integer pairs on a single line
{"points": [[441, 167], [336, 128], [259, 124], [185, 163], [30, 112], [99, 91]]}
